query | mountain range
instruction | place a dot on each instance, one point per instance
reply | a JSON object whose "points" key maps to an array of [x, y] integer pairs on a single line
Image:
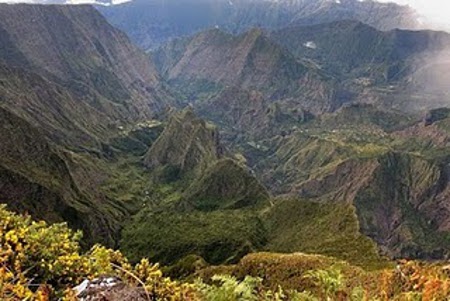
{"points": [[151, 23], [311, 133]]}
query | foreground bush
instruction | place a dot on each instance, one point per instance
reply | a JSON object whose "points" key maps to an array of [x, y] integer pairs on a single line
{"points": [[317, 277], [227, 288], [41, 262]]}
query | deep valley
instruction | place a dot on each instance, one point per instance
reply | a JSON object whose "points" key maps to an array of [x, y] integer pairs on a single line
{"points": [[317, 136]]}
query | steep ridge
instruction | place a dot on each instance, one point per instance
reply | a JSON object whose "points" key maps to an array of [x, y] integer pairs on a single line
{"points": [[312, 69], [153, 23], [76, 48], [37, 177], [400, 69], [189, 155], [187, 145], [52, 108], [209, 62], [200, 188], [346, 46], [250, 60], [392, 169], [70, 84]]}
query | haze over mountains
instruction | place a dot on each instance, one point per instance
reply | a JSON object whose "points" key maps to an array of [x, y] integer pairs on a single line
{"points": [[152, 23], [282, 126]]}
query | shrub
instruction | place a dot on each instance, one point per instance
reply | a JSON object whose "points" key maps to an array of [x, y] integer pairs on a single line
{"points": [[228, 288], [331, 282], [41, 262]]}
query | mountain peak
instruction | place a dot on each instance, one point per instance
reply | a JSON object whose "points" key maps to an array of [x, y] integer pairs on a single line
{"points": [[188, 144], [250, 60]]}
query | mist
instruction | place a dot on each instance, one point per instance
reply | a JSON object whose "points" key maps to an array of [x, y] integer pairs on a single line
{"points": [[429, 81], [434, 14]]}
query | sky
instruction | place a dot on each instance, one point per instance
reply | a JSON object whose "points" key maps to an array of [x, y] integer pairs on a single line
{"points": [[436, 12]]}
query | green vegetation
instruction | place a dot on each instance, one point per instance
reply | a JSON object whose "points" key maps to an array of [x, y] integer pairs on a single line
{"points": [[228, 288], [225, 236], [321, 228], [220, 236], [43, 262], [225, 185], [390, 169], [187, 146], [214, 207], [90, 137], [315, 277], [330, 281]]}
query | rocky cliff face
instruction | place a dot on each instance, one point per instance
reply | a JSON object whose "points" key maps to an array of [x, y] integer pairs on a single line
{"points": [[393, 195]]}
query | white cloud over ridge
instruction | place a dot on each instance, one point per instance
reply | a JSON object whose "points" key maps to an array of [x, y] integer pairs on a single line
{"points": [[435, 12]]}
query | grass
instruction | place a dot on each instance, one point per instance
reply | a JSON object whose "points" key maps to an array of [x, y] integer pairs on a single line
{"points": [[226, 185], [167, 235], [220, 236], [323, 228], [127, 181], [287, 270]]}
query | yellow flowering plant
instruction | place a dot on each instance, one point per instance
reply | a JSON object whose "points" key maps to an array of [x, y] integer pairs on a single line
{"points": [[42, 262]]}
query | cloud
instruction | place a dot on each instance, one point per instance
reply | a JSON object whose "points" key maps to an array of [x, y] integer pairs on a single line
{"points": [[435, 13]]}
